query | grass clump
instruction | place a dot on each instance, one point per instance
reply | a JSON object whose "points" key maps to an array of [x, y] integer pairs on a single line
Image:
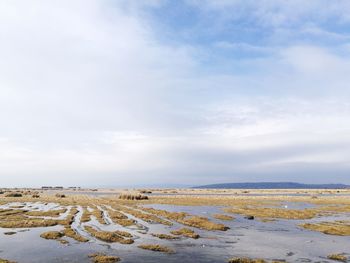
{"points": [[51, 213], [27, 223], [165, 236], [6, 261], [163, 213], [70, 217], [339, 228], [119, 218], [186, 232], [268, 212], [86, 216], [223, 217], [185, 219], [246, 260], [203, 223], [102, 258], [110, 237], [133, 197], [157, 248], [10, 212], [143, 216], [98, 213], [69, 232], [338, 257], [52, 235]]}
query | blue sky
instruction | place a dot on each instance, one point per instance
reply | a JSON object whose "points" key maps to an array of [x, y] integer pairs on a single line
{"points": [[123, 93]]}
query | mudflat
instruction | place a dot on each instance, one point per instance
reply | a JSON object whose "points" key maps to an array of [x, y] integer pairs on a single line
{"points": [[156, 225]]}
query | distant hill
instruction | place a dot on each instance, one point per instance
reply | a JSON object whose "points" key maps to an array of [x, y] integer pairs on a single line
{"points": [[273, 185]]}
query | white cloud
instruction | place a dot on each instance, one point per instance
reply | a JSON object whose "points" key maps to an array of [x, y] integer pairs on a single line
{"points": [[89, 95]]}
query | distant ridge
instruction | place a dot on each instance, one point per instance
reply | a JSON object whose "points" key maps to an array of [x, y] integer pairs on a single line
{"points": [[273, 185]]}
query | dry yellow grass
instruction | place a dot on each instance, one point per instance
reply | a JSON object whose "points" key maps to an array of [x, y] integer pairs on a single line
{"points": [[163, 213], [268, 212], [339, 228], [157, 248], [107, 236], [186, 219], [143, 216], [133, 197], [69, 232], [119, 218], [86, 216], [9, 212], [202, 223], [102, 258], [165, 236], [249, 260], [52, 235], [338, 257], [186, 232], [223, 217], [98, 214], [6, 261], [246, 260], [70, 218], [27, 223], [51, 213]]}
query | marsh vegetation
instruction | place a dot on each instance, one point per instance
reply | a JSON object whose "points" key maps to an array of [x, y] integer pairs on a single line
{"points": [[171, 224]]}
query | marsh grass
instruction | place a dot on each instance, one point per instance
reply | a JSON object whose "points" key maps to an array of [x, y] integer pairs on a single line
{"points": [[268, 212], [249, 260], [223, 217], [186, 219], [10, 212], [338, 257], [20, 222], [52, 235], [163, 213], [156, 247], [133, 197], [203, 223], [102, 258], [110, 237], [50, 213], [165, 236], [6, 261], [69, 232], [119, 218], [86, 216], [150, 218], [246, 260], [186, 232], [339, 228], [98, 214]]}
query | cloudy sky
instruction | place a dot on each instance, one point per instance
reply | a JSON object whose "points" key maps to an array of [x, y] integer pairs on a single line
{"points": [[160, 92]]}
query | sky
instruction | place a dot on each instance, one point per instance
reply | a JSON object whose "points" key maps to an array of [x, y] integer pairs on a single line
{"points": [[102, 93]]}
